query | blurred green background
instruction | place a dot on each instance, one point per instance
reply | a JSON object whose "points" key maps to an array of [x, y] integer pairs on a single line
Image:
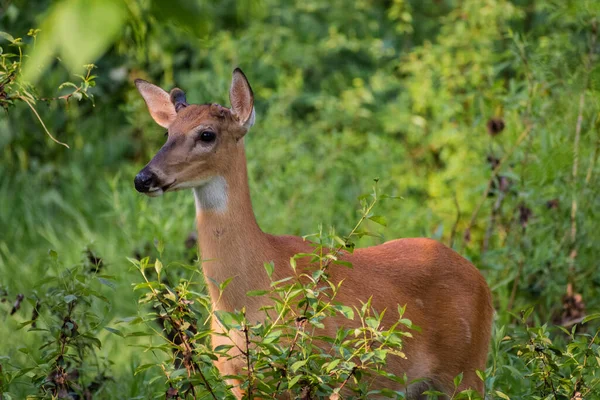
{"points": [[425, 95]]}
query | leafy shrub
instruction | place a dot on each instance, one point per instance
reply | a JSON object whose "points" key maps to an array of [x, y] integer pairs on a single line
{"points": [[483, 116], [66, 317]]}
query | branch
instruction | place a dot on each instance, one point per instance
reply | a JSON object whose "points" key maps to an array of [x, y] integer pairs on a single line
{"points": [[579, 379], [588, 67], [455, 225], [522, 137], [248, 361], [41, 121], [336, 395], [490, 228], [593, 159], [574, 183], [300, 322]]}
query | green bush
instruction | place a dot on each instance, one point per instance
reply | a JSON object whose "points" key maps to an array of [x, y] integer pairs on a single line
{"points": [[481, 115]]}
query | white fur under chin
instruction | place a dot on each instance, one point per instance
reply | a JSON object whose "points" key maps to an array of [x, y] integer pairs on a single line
{"points": [[154, 192], [211, 195]]}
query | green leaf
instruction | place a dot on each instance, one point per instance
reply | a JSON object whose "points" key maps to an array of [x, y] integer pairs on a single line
{"points": [[297, 365], [69, 298], [254, 293], [379, 219], [270, 267], [480, 374], [115, 331], [93, 340], [224, 284], [158, 266], [332, 365], [458, 379], [228, 319], [130, 320], [502, 395], [590, 317], [346, 311], [134, 261], [143, 367], [7, 36], [77, 31], [146, 285], [293, 381], [223, 348], [344, 263], [106, 282], [340, 241], [158, 243], [137, 333], [65, 84]]}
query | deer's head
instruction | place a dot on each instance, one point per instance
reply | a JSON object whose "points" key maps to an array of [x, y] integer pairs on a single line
{"points": [[202, 141]]}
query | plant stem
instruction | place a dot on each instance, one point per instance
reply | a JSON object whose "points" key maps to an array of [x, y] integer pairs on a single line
{"points": [[42, 122]]}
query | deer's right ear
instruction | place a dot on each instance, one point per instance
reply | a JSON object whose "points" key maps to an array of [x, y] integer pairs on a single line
{"points": [[158, 101]]}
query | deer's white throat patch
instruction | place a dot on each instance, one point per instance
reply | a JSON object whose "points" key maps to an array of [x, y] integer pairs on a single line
{"points": [[211, 195]]}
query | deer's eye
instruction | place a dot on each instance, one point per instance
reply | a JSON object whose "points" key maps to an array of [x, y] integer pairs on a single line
{"points": [[207, 136]]}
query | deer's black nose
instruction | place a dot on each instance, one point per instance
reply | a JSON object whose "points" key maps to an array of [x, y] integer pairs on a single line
{"points": [[144, 181]]}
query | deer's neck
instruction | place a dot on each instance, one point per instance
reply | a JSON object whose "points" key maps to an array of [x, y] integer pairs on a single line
{"points": [[231, 242]]}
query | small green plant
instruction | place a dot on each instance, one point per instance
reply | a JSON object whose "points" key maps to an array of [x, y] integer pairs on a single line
{"points": [[483, 115], [287, 352], [545, 362], [14, 88], [66, 313]]}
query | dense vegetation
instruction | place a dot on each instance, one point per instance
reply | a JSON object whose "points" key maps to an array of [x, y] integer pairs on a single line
{"points": [[478, 118]]}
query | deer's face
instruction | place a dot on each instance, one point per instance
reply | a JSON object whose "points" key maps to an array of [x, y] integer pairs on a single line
{"points": [[202, 139]]}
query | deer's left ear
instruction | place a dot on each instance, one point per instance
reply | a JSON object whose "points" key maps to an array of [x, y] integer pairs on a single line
{"points": [[242, 99]]}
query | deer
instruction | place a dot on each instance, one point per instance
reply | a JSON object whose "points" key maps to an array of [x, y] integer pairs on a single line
{"points": [[444, 294]]}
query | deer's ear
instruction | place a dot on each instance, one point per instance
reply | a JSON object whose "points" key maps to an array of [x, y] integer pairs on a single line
{"points": [[158, 101], [242, 99]]}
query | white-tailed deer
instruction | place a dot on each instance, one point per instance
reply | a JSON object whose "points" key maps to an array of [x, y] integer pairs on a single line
{"points": [[444, 294]]}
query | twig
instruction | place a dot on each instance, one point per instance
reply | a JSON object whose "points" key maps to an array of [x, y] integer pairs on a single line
{"points": [[455, 226], [579, 379], [575, 166], [1, 391], [513, 292], [64, 97], [593, 159], [300, 321], [576, 140], [573, 252], [42, 122], [249, 363], [350, 375], [341, 247], [490, 228], [547, 381], [495, 171], [189, 363]]}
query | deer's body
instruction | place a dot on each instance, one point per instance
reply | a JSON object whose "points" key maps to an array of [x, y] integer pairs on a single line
{"points": [[444, 294]]}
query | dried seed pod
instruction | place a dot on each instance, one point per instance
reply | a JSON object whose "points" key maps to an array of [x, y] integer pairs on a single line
{"points": [[524, 214], [552, 204], [495, 126], [17, 303]]}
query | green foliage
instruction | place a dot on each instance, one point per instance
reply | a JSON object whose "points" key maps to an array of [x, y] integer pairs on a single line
{"points": [[66, 317], [481, 115]]}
